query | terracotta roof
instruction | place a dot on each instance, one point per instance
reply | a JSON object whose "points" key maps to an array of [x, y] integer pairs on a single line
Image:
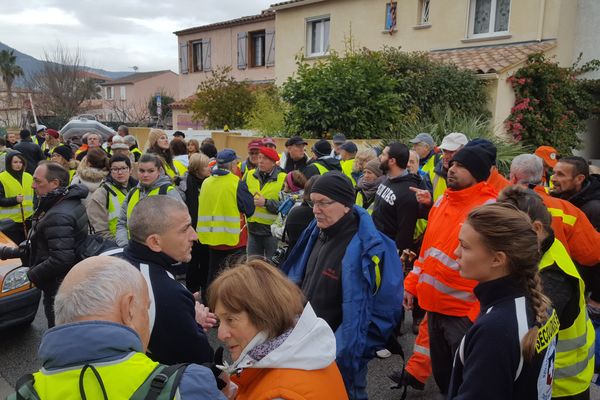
{"points": [[285, 3], [491, 59], [263, 16], [136, 77]]}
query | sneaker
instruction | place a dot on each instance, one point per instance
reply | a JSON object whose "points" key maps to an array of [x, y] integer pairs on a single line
{"points": [[383, 353]]}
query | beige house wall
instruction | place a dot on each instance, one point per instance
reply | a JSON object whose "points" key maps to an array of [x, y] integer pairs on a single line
{"points": [[223, 43]]}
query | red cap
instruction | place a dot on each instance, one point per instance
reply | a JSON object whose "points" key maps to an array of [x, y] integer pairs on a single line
{"points": [[268, 140], [255, 144], [53, 132], [269, 153], [548, 154]]}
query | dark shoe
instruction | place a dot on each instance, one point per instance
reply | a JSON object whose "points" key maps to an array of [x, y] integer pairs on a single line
{"points": [[415, 325], [403, 378]]}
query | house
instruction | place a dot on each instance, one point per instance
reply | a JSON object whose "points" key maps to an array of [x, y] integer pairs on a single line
{"points": [[492, 38], [126, 99], [246, 45]]}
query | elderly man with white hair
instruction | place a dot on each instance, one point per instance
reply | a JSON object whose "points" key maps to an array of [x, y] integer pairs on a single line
{"points": [[96, 351]]}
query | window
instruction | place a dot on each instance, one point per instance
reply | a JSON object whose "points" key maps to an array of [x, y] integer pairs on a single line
{"points": [[390, 16], [489, 17], [318, 36], [109, 93], [123, 93], [424, 12], [197, 56], [257, 49]]}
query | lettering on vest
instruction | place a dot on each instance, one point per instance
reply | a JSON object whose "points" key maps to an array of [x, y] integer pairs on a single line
{"points": [[547, 333]]}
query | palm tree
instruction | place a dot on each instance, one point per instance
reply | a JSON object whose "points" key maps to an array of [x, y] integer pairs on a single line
{"points": [[9, 69]]}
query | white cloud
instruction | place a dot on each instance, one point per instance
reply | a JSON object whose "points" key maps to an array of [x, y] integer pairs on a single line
{"points": [[40, 16]]}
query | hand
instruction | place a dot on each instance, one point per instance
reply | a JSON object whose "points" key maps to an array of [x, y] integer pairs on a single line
{"points": [[408, 301], [230, 390], [259, 200], [204, 317], [19, 198], [423, 196], [407, 255]]}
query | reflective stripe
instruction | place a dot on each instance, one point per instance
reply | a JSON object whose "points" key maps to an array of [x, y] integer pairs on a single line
{"points": [[416, 270], [571, 344], [376, 260], [566, 218], [441, 287], [145, 270], [575, 369], [270, 217], [218, 229], [218, 218], [441, 257], [523, 328], [422, 350]]}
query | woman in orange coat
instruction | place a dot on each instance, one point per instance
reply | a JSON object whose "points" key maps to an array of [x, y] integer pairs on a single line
{"points": [[279, 348]]}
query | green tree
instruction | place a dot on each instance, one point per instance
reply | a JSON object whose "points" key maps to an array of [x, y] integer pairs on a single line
{"points": [[221, 100], [267, 115], [9, 69]]}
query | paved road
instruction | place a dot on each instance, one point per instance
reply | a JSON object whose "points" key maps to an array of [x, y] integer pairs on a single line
{"points": [[18, 355]]}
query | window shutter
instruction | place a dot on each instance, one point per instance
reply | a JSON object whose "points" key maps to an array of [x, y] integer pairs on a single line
{"points": [[242, 47], [183, 58], [206, 55], [270, 48]]}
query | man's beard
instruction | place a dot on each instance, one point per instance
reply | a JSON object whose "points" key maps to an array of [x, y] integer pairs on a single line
{"points": [[384, 166]]}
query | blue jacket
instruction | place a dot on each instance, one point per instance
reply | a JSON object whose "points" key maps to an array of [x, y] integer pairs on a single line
{"points": [[370, 310], [80, 343]]}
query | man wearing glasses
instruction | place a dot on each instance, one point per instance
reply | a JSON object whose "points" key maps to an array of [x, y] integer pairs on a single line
{"points": [[351, 275]]}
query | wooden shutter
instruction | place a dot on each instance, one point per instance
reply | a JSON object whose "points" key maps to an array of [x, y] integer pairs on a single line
{"points": [[270, 48], [205, 54], [242, 49], [183, 58]]}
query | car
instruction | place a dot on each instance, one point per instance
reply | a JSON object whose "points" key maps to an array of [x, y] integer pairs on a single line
{"points": [[19, 298], [74, 130]]}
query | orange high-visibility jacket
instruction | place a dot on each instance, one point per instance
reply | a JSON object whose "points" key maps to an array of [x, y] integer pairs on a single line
{"points": [[435, 278], [573, 228], [497, 181]]}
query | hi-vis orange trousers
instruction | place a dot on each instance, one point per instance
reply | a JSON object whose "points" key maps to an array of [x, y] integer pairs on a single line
{"points": [[419, 364]]}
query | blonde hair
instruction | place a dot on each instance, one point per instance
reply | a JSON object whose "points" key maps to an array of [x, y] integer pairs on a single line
{"points": [[153, 136], [198, 162], [195, 143], [361, 159], [271, 300]]}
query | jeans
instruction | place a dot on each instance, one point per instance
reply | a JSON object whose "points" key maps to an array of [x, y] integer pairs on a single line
{"points": [[262, 246]]}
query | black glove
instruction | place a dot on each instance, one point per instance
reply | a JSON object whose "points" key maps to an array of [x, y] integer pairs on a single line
{"points": [[217, 360]]}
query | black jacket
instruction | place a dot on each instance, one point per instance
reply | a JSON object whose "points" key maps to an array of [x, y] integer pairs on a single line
{"points": [[396, 209], [291, 165], [59, 226], [296, 222], [489, 364], [191, 186], [32, 153], [332, 164], [588, 200], [175, 336]]}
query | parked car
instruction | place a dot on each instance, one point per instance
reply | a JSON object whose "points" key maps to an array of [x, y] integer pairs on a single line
{"points": [[19, 298], [74, 130]]}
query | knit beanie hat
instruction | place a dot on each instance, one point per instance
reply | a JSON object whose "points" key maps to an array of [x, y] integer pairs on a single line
{"points": [[336, 186], [374, 167], [289, 179], [486, 145], [476, 160], [322, 148], [65, 151]]}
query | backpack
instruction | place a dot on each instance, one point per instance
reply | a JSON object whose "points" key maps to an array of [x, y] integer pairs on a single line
{"points": [[93, 245], [161, 384]]}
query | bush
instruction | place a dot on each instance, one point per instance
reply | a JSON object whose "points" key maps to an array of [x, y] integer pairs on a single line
{"points": [[267, 115]]}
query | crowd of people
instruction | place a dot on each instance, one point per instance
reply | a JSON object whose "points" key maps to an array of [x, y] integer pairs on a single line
{"points": [[305, 261]]}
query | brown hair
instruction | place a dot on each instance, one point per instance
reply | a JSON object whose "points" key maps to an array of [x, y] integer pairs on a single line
{"points": [[308, 187], [529, 202], [198, 162], [178, 148], [298, 179], [505, 229], [271, 300], [196, 145], [97, 158]]}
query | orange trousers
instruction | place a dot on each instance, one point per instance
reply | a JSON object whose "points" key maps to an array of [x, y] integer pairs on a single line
{"points": [[419, 364]]}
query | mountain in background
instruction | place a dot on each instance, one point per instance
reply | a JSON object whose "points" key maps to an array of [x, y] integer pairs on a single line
{"points": [[32, 66]]}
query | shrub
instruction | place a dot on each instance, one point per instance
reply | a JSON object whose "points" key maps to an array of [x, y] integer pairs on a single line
{"points": [[267, 115]]}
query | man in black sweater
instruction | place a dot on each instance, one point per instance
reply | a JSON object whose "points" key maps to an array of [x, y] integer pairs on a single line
{"points": [[162, 236], [31, 151]]}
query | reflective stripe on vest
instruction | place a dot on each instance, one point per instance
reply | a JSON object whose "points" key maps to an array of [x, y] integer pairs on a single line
{"points": [[574, 365], [13, 188], [115, 199], [270, 191], [64, 384], [135, 196], [218, 213], [442, 257], [566, 218]]}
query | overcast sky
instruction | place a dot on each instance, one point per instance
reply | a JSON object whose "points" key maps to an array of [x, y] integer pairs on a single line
{"points": [[114, 34]]}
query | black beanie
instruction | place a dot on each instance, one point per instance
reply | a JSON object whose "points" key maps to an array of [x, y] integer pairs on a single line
{"points": [[336, 186], [322, 148], [64, 151], [476, 160], [485, 145]]}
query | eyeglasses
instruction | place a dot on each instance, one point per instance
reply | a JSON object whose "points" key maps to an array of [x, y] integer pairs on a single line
{"points": [[121, 169], [320, 204]]}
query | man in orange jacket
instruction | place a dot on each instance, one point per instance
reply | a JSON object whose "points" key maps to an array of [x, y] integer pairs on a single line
{"points": [[435, 280]]}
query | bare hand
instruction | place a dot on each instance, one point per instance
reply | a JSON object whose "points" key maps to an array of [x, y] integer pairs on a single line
{"points": [[408, 255], [423, 196], [259, 200], [204, 317], [408, 301], [19, 198]]}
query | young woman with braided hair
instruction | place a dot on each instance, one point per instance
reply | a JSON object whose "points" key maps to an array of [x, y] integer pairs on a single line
{"points": [[509, 351]]}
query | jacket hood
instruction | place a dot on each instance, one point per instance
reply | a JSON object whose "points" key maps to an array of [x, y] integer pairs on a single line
{"points": [[91, 174], [330, 163], [9, 156], [162, 180], [310, 346], [77, 192], [408, 178], [589, 192], [84, 342]]}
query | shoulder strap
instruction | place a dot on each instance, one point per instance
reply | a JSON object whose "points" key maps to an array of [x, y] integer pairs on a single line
{"points": [[109, 192], [131, 192], [161, 384], [24, 389], [164, 189]]}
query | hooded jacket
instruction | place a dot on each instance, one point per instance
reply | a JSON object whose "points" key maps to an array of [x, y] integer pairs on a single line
{"points": [[331, 163], [302, 367], [101, 342], [18, 175], [90, 177], [588, 200], [60, 225], [122, 236]]}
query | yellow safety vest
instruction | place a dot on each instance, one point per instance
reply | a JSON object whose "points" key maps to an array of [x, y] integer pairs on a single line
{"points": [[574, 365], [269, 191], [71, 174], [121, 379], [360, 201], [347, 166], [134, 196], [137, 153], [114, 199], [12, 188], [320, 167], [430, 164], [218, 213], [180, 169], [439, 185]]}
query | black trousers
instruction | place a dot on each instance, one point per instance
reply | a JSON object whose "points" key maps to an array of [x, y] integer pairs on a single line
{"points": [[219, 259], [49, 292], [197, 270], [581, 396], [445, 334]]}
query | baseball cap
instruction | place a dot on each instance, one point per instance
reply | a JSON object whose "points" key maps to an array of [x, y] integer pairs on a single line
{"points": [[339, 138], [423, 138], [350, 147], [548, 154], [40, 128], [295, 140], [267, 141], [226, 156], [254, 144], [454, 141]]}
